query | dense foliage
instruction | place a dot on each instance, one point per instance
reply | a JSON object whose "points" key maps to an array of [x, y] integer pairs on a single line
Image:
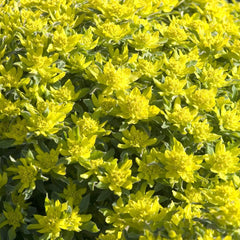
{"points": [[119, 119]]}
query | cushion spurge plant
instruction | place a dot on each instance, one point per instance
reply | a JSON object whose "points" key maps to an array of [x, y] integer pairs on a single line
{"points": [[119, 119]]}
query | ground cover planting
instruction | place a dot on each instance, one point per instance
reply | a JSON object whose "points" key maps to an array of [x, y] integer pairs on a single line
{"points": [[119, 120]]}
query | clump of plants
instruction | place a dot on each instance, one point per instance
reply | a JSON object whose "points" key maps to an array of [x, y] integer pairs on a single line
{"points": [[119, 119]]}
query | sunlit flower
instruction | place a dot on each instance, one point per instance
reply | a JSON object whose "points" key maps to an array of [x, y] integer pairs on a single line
{"points": [[58, 217], [135, 105], [181, 117], [136, 139], [49, 161], [77, 147], [145, 40], [179, 164], [118, 177], [223, 161], [13, 216], [203, 99], [26, 172]]}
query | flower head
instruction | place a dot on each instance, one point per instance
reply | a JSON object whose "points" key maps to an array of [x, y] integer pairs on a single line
{"points": [[61, 42], [202, 99], [93, 166], [145, 40], [58, 217], [9, 108], [119, 79], [111, 30], [181, 117], [202, 131], [135, 106], [105, 104], [26, 173], [223, 161], [13, 216], [149, 68], [12, 78], [212, 77], [17, 130], [136, 139], [77, 147], [175, 33], [228, 118], [89, 125], [150, 167], [118, 177], [48, 161], [66, 93], [72, 194], [179, 164], [47, 117], [171, 86]]}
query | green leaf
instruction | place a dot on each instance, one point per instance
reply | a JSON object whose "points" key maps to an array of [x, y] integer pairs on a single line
{"points": [[6, 143], [83, 92], [105, 194], [109, 154], [11, 233], [191, 63], [84, 203], [68, 235], [89, 104], [90, 226]]}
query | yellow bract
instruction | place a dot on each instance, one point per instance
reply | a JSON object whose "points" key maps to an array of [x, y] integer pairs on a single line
{"points": [[225, 198], [203, 99], [228, 119], [86, 41], [212, 77], [44, 66], [113, 9], [72, 194], [179, 164], [105, 104], [136, 139], [46, 117], [145, 40], [223, 161], [48, 161], [89, 126], [77, 62], [65, 93], [110, 30], [202, 131], [119, 79], [14, 217], [174, 33], [12, 78], [149, 68], [118, 177], [135, 106], [150, 167], [8, 108], [77, 146], [58, 218], [26, 173], [181, 117], [171, 86], [61, 42]]}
